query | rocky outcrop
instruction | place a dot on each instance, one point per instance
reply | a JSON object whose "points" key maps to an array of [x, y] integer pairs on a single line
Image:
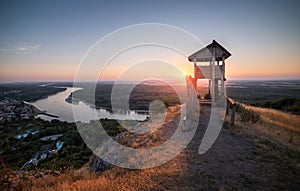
{"points": [[111, 151], [97, 164]]}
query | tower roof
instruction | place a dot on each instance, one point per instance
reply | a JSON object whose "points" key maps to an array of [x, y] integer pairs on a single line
{"points": [[206, 53]]}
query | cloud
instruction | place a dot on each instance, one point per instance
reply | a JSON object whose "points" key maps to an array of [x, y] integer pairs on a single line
{"points": [[21, 49], [27, 48]]}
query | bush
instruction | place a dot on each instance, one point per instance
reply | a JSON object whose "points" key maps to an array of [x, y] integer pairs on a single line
{"points": [[247, 114], [291, 105]]}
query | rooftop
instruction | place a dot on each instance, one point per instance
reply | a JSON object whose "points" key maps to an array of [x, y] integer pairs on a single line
{"points": [[205, 54]]}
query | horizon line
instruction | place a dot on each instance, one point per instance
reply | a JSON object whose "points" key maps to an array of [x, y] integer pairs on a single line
{"points": [[69, 81]]}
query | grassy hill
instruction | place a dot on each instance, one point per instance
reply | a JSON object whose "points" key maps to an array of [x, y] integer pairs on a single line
{"points": [[253, 155]]}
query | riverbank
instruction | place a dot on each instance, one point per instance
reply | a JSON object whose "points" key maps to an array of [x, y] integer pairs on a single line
{"points": [[37, 112], [29, 91], [59, 106]]}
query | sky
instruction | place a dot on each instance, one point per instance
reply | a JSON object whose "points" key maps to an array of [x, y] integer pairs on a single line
{"points": [[47, 40]]}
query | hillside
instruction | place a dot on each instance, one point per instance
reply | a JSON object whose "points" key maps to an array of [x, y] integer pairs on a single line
{"points": [[250, 156]]}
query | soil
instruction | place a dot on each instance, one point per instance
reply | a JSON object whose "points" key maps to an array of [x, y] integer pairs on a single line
{"points": [[238, 160]]}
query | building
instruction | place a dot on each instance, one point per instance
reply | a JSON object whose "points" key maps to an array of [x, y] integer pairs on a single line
{"points": [[209, 63]]}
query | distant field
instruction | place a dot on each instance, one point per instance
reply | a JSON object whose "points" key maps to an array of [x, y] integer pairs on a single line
{"points": [[139, 98], [262, 91], [250, 92], [29, 91]]}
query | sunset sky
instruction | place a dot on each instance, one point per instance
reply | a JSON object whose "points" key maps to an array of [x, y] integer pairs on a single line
{"points": [[46, 40]]}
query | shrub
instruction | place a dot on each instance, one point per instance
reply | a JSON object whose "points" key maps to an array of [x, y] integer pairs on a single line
{"points": [[291, 105], [247, 114]]}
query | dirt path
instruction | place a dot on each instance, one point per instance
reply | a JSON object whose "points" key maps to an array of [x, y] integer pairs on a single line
{"points": [[229, 163], [236, 161]]}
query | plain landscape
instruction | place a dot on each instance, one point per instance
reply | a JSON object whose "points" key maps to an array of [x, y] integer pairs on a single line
{"points": [[265, 134]]}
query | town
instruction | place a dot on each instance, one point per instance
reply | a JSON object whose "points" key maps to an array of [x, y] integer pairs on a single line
{"points": [[11, 109], [46, 153]]}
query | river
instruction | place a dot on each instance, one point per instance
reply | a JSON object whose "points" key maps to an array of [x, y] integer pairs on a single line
{"points": [[56, 105]]}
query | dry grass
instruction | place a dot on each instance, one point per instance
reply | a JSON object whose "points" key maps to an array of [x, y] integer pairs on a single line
{"points": [[118, 178], [274, 125], [278, 118], [280, 127], [115, 179], [274, 160]]}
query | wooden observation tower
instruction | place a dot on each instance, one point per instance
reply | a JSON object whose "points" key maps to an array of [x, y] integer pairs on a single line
{"points": [[209, 63]]}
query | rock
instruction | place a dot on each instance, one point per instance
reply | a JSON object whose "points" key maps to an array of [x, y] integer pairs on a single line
{"points": [[42, 174], [97, 164], [56, 173]]}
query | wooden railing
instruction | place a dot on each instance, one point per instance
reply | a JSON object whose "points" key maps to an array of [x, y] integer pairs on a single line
{"points": [[205, 72], [231, 104]]}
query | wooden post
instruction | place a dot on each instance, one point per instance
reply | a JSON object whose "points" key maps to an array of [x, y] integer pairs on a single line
{"points": [[227, 106], [209, 87], [216, 89], [223, 77], [231, 103], [195, 75], [232, 115], [213, 76], [191, 102], [195, 69]]}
